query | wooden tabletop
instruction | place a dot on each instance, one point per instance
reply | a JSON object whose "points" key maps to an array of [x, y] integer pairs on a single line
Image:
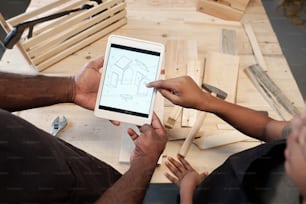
{"points": [[162, 21]]}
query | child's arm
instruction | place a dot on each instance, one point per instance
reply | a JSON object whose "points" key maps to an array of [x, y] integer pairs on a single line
{"points": [[185, 177]]}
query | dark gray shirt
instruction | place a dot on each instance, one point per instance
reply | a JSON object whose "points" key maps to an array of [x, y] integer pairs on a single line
{"points": [[280, 188]]}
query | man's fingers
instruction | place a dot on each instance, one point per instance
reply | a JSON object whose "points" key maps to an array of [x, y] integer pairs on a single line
{"points": [[133, 135], [114, 122], [99, 62]]}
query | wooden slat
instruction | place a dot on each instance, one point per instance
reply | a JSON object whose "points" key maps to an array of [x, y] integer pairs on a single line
{"points": [[178, 54], [69, 23], [221, 71], [255, 46], [77, 45], [62, 35], [228, 42], [21, 18], [195, 69]]}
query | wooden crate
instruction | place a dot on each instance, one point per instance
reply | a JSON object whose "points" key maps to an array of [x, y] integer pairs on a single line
{"points": [[53, 41], [226, 9]]}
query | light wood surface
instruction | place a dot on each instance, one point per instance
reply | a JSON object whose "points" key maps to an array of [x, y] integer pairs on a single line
{"points": [[164, 21]]}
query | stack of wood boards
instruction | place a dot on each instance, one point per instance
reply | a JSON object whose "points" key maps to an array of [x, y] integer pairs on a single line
{"points": [[55, 40], [221, 71]]}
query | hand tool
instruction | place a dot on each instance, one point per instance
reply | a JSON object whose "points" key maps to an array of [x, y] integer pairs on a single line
{"points": [[200, 118], [58, 125]]}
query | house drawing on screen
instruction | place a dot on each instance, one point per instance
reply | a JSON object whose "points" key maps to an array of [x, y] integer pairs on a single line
{"points": [[126, 71]]}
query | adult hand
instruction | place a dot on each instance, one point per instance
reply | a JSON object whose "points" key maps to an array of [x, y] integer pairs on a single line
{"points": [[185, 176], [181, 91], [150, 143], [87, 84]]}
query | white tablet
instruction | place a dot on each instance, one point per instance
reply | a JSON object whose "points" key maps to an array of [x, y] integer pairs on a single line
{"points": [[129, 65]]}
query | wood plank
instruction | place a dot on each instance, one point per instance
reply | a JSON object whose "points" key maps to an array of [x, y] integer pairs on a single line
{"points": [[195, 70], [28, 15], [228, 42], [178, 54], [221, 71], [217, 140], [255, 46]]}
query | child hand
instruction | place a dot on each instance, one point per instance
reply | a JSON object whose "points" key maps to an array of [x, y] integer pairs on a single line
{"points": [[185, 176]]}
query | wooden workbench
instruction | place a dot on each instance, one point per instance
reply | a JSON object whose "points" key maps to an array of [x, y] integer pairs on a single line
{"points": [[161, 21]]}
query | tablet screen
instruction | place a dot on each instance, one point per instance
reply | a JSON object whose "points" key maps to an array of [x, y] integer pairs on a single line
{"points": [[128, 70]]}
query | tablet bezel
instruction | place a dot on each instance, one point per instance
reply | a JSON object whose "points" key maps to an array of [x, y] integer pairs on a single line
{"points": [[132, 43]]}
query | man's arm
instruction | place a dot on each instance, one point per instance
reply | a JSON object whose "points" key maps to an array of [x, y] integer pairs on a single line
{"points": [[20, 92], [132, 186], [185, 92]]}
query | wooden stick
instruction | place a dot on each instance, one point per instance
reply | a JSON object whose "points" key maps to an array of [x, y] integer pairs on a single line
{"points": [[190, 137], [255, 46]]}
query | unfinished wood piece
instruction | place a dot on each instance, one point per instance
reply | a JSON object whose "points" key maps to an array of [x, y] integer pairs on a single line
{"points": [[271, 92], [228, 44], [192, 133], [217, 140], [181, 133], [195, 70], [226, 9], [221, 71], [178, 54], [173, 116], [255, 46], [53, 41]]}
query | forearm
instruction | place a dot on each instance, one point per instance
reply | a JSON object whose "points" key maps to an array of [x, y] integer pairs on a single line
{"points": [[131, 187], [20, 92], [186, 195], [248, 121]]}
